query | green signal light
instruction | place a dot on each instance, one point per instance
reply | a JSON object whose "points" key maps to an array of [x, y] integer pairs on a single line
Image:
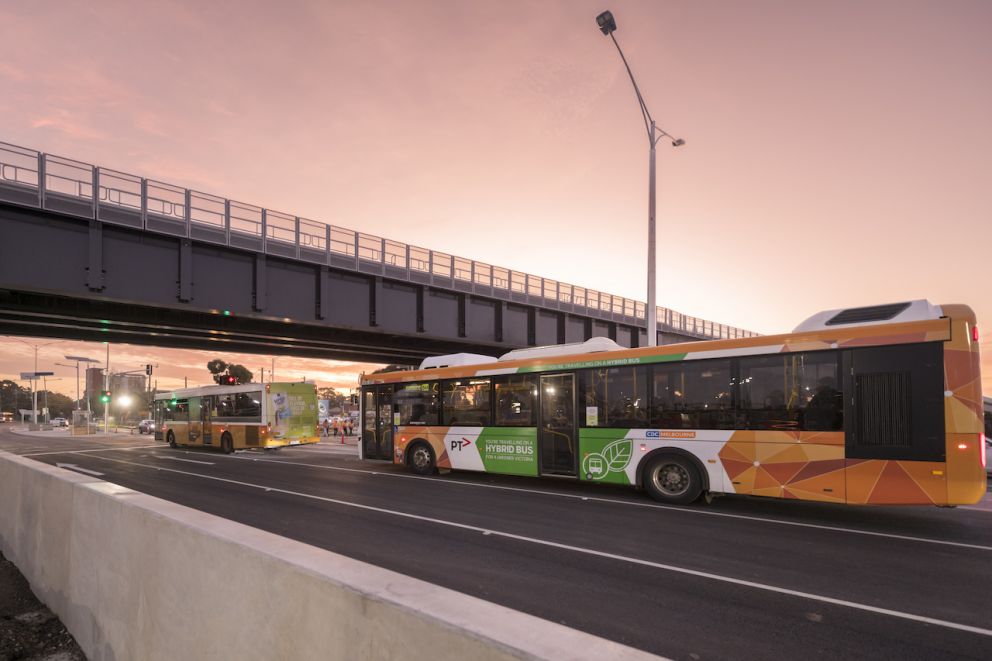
{"points": [[227, 313]]}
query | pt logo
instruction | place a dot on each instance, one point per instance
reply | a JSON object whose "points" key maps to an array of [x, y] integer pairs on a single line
{"points": [[458, 445]]}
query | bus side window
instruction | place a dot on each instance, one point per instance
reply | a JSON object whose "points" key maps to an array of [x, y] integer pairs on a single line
{"points": [[466, 402], [417, 403], [695, 394], [515, 397]]}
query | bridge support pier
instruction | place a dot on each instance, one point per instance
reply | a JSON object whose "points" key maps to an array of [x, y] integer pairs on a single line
{"points": [[94, 270], [421, 292], [498, 321], [463, 307], [185, 270], [260, 288], [323, 292]]}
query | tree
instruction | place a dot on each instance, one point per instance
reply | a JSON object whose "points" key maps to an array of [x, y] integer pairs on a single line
{"points": [[217, 366], [240, 373], [336, 400], [59, 405], [221, 369], [391, 368], [13, 397]]}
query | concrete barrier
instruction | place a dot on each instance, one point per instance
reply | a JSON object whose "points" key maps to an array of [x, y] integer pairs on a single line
{"points": [[136, 577]]}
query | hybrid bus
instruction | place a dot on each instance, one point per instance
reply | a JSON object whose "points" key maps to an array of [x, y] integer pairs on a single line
{"points": [[238, 417], [873, 405]]}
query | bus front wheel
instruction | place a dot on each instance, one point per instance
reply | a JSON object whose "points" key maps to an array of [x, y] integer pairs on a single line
{"points": [[421, 459], [227, 443], [673, 479], [171, 438]]}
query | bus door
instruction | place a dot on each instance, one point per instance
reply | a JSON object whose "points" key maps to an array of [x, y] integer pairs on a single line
{"points": [[206, 406], [377, 427], [195, 427], [556, 434]]}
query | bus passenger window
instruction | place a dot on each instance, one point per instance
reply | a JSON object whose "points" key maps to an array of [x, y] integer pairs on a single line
{"points": [[619, 396], [791, 391], [417, 403], [466, 402], [515, 396], [693, 395]]}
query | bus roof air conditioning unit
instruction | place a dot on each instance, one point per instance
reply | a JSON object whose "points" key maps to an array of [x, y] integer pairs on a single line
{"points": [[592, 345], [454, 360]]}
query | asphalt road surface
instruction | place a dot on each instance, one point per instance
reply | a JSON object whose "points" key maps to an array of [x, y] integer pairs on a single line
{"points": [[742, 578]]}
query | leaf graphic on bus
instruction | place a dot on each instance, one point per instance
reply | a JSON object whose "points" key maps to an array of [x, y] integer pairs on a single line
{"points": [[617, 454]]}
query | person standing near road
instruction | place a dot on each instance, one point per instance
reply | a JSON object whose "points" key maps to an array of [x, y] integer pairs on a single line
{"points": [[327, 427]]}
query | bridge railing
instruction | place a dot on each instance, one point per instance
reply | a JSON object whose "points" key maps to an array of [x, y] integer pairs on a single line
{"points": [[34, 179]]}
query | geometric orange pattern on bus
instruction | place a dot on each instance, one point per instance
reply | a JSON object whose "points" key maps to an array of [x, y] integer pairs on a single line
{"points": [[885, 482], [782, 470]]}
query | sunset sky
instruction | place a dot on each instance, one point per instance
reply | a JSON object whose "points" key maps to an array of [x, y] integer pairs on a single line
{"points": [[837, 153]]}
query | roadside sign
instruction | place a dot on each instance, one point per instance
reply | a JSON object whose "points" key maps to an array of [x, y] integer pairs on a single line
{"points": [[30, 376]]}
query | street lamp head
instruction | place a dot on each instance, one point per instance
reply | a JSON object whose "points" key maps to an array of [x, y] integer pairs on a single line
{"points": [[606, 22], [678, 142]]}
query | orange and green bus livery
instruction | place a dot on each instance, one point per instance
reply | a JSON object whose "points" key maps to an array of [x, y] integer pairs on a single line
{"points": [[877, 405]]}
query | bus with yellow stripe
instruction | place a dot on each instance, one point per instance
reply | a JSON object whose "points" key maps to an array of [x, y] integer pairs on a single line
{"points": [[873, 405], [238, 417]]}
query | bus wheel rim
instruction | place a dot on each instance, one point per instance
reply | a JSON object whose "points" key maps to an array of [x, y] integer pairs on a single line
{"points": [[671, 479], [421, 458]]}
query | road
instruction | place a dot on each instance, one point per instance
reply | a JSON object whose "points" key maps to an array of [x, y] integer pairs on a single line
{"points": [[741, 578]]}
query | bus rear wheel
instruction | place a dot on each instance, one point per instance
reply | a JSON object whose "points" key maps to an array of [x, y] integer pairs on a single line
{"points": [[227, 443], [673, 479], [421, 459], [171, 438]]}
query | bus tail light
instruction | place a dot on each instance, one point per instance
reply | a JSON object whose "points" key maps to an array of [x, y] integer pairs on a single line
{"points": [[974, 333], [981, 449], [962, 446]]}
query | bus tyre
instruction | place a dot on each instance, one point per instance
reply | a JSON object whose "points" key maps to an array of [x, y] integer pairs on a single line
{"points": [[420, 457], [227, 443], [171, 438], [673, 479]]}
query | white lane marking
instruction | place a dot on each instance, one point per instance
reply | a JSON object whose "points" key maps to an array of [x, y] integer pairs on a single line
{"points": [[74, 467], [192, 461], [578, 549], [42, 454], [670, 508]]}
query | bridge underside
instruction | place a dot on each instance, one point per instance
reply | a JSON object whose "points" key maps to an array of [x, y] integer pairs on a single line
{"points": [[82, 279]]}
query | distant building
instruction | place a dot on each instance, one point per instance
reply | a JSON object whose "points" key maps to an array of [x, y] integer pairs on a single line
{"points": [[120, 384], [94, 381], [127, 383]]}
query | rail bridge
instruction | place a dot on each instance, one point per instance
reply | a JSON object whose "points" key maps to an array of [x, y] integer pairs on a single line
{"points": [[90, 253]]}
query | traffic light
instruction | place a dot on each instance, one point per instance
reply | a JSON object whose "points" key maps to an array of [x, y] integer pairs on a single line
{"points": [[105, 396], [226, 379], [148, 370]]}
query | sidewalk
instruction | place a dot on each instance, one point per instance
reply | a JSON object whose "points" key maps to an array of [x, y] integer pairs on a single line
{"points": [[336, 440], [66, 433]]}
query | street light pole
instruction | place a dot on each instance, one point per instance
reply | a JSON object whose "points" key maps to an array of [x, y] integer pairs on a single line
{"points": [[44, 381], [608, 25], [34, 390]]}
